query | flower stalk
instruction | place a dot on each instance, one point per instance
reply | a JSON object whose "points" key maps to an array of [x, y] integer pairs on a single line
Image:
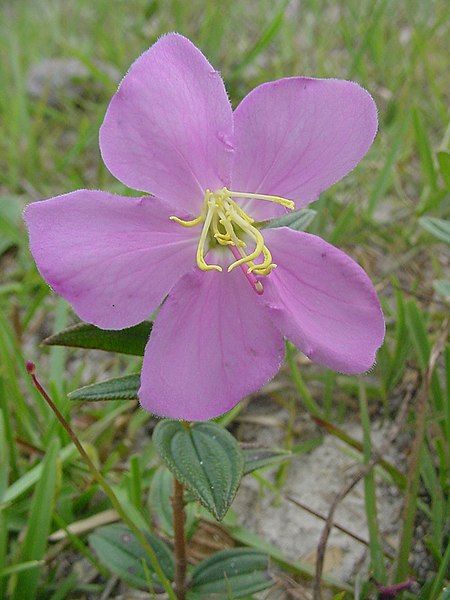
{"points": [[104, 484]]}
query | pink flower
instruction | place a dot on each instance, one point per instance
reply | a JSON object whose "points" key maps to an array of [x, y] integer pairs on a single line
{"points": [[170, 131]]}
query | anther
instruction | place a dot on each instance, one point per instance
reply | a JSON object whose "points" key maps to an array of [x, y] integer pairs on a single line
{"points": [[226, 221], [259, 288]]}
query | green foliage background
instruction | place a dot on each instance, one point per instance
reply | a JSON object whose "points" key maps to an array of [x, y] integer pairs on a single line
{"points": [[389, 215]]}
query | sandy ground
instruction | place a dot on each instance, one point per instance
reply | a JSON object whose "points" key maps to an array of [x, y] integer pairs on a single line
{"points": [[314, 479]]}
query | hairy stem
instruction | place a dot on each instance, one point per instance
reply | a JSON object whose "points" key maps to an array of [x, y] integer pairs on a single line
{"points": [[179, 518], [104, 485]]}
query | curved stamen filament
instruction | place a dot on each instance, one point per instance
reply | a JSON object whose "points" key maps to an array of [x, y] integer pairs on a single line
{"points": [[231, 235], [203, 236], [192, 223], [224, 223], [277, 199], [266, 267], [223, 238], [255, 234]]}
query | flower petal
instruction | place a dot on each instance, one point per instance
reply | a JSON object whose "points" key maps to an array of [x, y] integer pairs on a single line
{"points": [[323, 301], [296, 137], [168, 128], [113, 258], [212, 344]]}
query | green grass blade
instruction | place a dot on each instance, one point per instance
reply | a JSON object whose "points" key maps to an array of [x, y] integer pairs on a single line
{"points": [[19, 568], [302, 389], [396, 365], [264, 40], [418, 332], [437, 227], [38, 524], [4, 475], [425, 152], [31, 477], [444, 167], [441, 575], [370, 500], [384, 179]]}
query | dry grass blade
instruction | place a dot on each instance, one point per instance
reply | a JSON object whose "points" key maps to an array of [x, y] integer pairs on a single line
{"points": [[84, 525], [412, 475], [322, 545]]}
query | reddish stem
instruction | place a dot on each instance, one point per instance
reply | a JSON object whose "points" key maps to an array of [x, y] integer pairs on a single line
{"points": [[179, 518]]}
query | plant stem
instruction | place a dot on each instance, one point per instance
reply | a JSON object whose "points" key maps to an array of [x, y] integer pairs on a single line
{"points": [[104, 485], [179, 518]]}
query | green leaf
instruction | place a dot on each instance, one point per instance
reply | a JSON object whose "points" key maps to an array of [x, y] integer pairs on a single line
{"points": [[298, 220], [161, 490], [38, 525], [126, 341], [118, 550], [444, 167], [296, 567], [205, 458], [119, 388], [438, 227], [232, 573], [256, 458]]}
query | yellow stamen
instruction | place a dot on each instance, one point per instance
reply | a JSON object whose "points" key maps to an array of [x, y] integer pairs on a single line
{"points": [[267, 264], [277, 199], [225, 222], [192, 223], [223, 238], [201, 244], [256, 235]]}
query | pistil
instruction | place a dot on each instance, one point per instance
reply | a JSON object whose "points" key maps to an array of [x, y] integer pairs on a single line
{"points": [[255, 283]]}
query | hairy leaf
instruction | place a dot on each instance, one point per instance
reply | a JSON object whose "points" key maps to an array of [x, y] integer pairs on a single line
{"points": [[235, 573], [83, 335], [118, 549], [119, 388], [205, 458]]}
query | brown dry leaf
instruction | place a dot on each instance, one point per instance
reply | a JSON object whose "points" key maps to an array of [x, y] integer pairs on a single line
{"points": [[208, 539]]}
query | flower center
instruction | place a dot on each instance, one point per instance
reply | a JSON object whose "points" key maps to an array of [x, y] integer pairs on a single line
{"points": [[225, 223]]}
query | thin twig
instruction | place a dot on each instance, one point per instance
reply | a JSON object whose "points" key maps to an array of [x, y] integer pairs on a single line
{"points": [[179, 519], [110, 585], [335, 525], [377, 458], [321, 548], [346, 489], [104, 485]]}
